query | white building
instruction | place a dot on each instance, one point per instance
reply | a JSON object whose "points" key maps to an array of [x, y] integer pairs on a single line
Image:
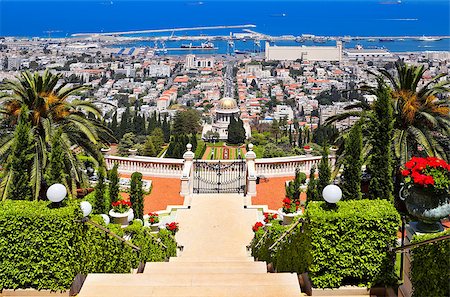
{"points": [[156, 70], [193, 62], [283, 111], [305, 53]]}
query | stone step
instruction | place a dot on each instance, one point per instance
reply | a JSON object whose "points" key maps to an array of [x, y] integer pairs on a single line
{"points": [[211, 259], [192, 284], [205, 267]]}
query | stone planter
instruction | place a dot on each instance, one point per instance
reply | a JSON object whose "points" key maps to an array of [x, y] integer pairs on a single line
{"points": [[105, 151], [133, 152], [154, 227], [288, 218], [120, 218], [427, 207]]}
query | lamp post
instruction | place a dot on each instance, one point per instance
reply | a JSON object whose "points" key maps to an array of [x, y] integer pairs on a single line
{"points": [[56, 193], [332, 194], [86, 208]]}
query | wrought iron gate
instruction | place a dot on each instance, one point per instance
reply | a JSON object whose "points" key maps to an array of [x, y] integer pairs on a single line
{"points": [[219, 177]]}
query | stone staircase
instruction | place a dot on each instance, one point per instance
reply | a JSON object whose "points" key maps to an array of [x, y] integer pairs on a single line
{"points": [[214, 261]]}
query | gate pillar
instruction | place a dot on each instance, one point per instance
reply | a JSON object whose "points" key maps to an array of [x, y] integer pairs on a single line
{"points": [[186, 177], [250, 157]]}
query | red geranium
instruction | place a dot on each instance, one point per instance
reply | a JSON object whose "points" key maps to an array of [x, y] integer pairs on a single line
{"points": [[269, 217], [429, 172], [172, 227], [306, 147], [153, 218], [121, 206], [257, 225]]}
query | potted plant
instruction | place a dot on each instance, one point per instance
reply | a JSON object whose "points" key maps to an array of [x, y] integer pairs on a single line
{"points": [[269, 217], [153, 220], [290, 209], [426, 191], [172, 227], [257, 226], [307, 149], [121, 210]]}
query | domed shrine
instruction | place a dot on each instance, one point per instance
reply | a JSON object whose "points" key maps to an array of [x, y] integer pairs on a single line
{"points": [[226, 108]]}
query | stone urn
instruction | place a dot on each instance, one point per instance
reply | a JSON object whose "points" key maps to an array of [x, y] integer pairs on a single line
{"points": [[120, 218], [428, 207], [288, 218], [154, 227]]}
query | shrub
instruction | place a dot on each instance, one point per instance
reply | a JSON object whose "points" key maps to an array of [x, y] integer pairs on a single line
{"points": [[113, 175], [137, 195], [45, 248], [351, 185], [342, 246], [349, 244], [430, 266], [324, 171]]}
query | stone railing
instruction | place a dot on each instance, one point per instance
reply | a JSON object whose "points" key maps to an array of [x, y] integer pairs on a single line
{"points": [[183, 168], [158, 167], [286, 166]]}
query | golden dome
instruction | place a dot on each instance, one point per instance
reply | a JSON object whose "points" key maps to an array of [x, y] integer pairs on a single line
{"points": [[227, 103]]}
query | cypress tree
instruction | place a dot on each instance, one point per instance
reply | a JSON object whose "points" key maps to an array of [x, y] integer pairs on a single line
{"points": [[55, 171], [152, 123], [380, 162], [324, 171], [17, 184], [125, 123], [137, 195], [114, 126], [351, 185], [100, 204], [149, 148], [193, 141], [114, 183], [166, 129], [311, 191]]}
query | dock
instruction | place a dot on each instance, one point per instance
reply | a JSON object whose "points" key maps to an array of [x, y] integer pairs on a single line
{"points": [[163, 30]]}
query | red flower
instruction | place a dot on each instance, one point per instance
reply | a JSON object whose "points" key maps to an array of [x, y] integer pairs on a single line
{"points": [[405, 172], [257, 226], [172, 227], [306, 147], [287, 200]]}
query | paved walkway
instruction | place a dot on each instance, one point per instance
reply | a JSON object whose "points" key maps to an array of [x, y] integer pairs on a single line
{"points": [[216, 226]]}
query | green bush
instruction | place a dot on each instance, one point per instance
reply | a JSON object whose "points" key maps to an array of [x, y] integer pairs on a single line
{"points": [[430, 265], [349, 244], [342, 246], [45, 248]]}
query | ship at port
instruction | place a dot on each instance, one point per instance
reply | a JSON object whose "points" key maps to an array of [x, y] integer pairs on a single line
{"points": [[386, 39], [426, 38], [204, 45]]}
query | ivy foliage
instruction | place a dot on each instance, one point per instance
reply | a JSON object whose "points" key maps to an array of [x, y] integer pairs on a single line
{"points": [[430, 264], [45, 248], [338, 247]]}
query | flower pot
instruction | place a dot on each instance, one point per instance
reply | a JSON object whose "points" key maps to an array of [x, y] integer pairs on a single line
{"points": [[154, 227], [120, 218], [288, 218], [427, 207]]}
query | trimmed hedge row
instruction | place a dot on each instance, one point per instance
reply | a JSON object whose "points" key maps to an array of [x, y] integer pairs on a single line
{"points": [[342, 246], [430, 267], [44, 248]]}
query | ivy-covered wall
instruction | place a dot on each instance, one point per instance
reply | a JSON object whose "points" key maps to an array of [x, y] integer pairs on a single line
{"points": [[342, 246], [44, 248], [430, 267]]}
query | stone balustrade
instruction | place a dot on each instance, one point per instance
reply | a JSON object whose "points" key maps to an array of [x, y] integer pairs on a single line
{"points": [[158, 167], [286, 166]]}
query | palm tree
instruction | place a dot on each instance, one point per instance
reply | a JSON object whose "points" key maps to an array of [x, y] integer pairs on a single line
{"points": [[50, 111], [421, 112]]}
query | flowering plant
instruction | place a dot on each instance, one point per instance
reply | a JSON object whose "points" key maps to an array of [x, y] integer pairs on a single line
{"points": [[430, 172], [153, 218], [172, 227], [307, 147], [121, 206], [257, 225], [290, 206], [269, 217]]}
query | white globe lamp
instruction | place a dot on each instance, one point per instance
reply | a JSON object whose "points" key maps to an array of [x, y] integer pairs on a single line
{"points": [[56, 193], [105, 219], [86, 208], [332, 194]]}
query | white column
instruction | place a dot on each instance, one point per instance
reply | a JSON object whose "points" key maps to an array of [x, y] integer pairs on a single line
{"points": [[250, 157], [186, 176]]}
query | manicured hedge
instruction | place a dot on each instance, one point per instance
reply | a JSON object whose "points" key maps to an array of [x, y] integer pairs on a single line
{"points": [[430, 267], [44, 248], [342, 246], [349, 244]]}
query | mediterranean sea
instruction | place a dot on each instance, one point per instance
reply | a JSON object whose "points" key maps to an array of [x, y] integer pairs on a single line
{"points": [[327, 18]]}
